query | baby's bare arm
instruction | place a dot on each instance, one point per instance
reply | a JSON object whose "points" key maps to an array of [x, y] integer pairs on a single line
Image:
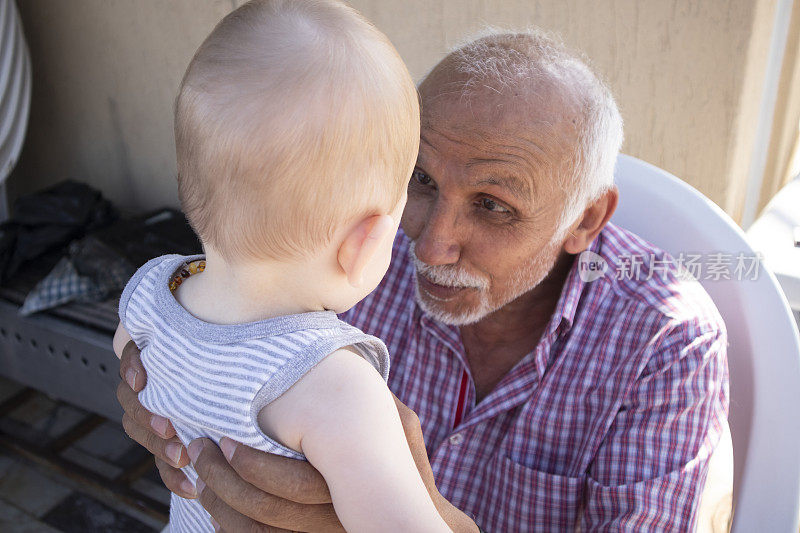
{"points": [[343, 418]]}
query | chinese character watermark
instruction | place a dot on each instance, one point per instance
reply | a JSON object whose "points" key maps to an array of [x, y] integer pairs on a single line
{"points": [[710, 266]]}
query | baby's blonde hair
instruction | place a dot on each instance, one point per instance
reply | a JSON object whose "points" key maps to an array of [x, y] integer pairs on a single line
{"points": [[293, 118]]}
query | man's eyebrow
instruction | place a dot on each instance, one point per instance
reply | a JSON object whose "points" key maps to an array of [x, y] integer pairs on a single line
{"points": [[518, 187]]}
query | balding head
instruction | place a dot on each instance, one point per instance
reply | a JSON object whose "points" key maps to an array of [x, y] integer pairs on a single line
{"points": [[533, 81]]}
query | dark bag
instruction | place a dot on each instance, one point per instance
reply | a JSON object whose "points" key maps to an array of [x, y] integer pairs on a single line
{"points": [[50, 219]]}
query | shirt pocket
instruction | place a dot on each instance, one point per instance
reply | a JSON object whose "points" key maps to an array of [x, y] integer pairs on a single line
{"points": [[519, 498]]}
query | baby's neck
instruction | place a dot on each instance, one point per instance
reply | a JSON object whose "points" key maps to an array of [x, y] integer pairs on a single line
{"points": [[227, 294]]}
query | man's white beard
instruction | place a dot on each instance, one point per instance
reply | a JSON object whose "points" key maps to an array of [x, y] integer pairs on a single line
{"points": [[523, 280]]}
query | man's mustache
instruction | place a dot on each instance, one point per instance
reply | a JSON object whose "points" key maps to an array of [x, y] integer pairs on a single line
{"points": [[447, 275]]}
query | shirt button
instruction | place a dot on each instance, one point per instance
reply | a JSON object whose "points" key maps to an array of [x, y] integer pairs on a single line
{"points": [[456, 439]]}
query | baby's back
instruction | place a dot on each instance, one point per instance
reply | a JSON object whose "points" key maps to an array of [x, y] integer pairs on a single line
{"points": [[212, 380]]}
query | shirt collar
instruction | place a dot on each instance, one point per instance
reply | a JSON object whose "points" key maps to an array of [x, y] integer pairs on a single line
{"points": [[564, 314], [571, 293]]}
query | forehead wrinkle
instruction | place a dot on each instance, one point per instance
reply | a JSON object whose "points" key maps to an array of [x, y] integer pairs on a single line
{"points": [[504, 136], [530, 159], [453, 138], [460, 141], [425, 141], [540, 159]]}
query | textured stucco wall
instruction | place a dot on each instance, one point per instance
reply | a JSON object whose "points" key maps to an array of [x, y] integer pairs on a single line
{"points": [[687, 74]]}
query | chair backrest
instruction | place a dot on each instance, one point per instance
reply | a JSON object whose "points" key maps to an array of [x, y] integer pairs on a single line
{"points": [[763, 349]]}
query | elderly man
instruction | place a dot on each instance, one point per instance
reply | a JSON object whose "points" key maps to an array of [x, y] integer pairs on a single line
{"points": [[548, 400]]}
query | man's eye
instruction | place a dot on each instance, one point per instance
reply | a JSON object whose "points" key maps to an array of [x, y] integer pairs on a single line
{"points": [[491, 205], [421, 178]]}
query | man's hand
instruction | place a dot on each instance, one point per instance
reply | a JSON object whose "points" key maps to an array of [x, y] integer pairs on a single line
{"points": [[251, 490], [151, 431], [248, 490]]}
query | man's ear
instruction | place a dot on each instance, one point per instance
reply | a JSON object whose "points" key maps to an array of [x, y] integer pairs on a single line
{"points": [[594, 219], [361, 244]]}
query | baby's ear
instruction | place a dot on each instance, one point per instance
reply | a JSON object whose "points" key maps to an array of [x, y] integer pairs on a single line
{"points": [[361, 244]]}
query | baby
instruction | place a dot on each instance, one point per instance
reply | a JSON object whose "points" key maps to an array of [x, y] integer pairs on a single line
{"points": [[296, 128]]}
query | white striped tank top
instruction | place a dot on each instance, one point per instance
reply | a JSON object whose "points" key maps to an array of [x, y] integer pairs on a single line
{"points": [[211, 380]]}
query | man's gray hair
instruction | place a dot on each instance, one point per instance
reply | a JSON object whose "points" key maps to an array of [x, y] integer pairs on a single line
{"points": [[504, 60]]}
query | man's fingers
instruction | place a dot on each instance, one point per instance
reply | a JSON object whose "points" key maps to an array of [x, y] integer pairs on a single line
{"points": [[134, 376], [411, 427], [409, 418], [129, 401], [281, 476], [218, 476], [175, 480], [169, 450], [151, 431], [130, 367], [230, 520]]}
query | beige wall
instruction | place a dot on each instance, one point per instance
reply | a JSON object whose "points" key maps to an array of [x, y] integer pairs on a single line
{"points": [[687, 74]]}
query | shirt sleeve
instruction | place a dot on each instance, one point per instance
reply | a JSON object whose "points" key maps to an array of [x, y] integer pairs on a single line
{"points": [[649, 471]]}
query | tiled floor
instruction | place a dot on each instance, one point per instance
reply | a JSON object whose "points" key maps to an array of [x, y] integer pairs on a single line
{"points": [[34, 498]]}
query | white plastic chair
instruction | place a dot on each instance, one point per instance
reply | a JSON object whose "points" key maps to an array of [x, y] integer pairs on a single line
{"points": [[763, 350]]}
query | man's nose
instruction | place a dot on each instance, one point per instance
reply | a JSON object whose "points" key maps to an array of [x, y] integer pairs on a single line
{"points": [[439, 241]]}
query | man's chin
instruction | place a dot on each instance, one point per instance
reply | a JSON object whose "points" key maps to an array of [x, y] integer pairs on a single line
{"points": [[450, 312]]}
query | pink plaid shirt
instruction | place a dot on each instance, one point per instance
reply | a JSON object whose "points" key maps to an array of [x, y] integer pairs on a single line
{"points": [[607, 424]]}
